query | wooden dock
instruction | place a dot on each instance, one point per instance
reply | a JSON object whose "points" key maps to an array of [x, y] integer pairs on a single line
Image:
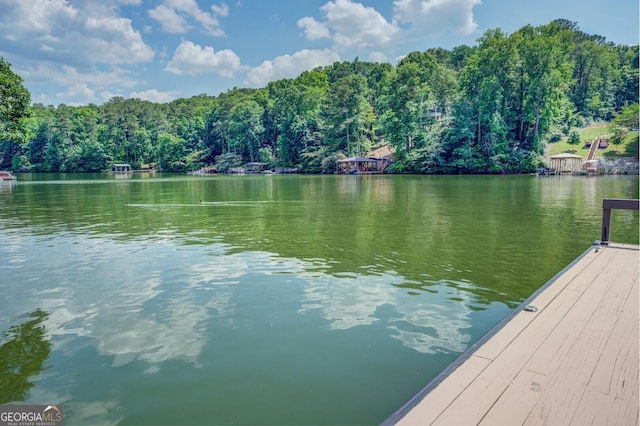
{"points": [[574, 361]]}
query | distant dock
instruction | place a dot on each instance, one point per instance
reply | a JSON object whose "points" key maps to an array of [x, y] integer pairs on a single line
{"points": [[125, 169], [568, 356]]}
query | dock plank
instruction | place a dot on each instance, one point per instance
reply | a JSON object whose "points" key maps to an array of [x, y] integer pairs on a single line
{"points": [[615, 364], [570, 377], [440, 401], [575, 361], [590, 261], [562, 340], [614, 382]]}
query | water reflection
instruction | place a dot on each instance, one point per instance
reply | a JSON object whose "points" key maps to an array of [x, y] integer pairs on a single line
{"points": [[173, 289], [25, 348], [437, 324], [153, 303], [137, 306], [434, 322]]}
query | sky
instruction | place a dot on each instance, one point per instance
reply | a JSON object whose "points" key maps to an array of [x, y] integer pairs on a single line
{"points": [[77, 52]]}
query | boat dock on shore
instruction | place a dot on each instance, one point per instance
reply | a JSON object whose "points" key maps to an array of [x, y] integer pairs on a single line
{"points": [[568, 356], [7, 177]]}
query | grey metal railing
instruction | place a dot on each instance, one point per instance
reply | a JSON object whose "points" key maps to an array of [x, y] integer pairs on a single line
{"points": [[609, 204]]}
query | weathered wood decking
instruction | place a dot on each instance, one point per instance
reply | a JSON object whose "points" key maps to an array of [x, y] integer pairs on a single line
{"points": [[573, 362]]}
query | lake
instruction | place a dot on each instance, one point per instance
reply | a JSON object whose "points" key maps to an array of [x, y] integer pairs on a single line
{"points": [[270, 299]]}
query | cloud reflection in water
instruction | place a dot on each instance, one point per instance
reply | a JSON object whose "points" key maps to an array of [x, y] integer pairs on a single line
{"points": [[99, 299]]}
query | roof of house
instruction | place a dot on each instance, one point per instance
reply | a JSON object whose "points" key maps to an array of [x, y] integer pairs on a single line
{"points": [[358, 159]]}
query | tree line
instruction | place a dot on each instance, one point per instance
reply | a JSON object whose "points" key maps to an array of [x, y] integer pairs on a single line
{"points": [[489, 108]]}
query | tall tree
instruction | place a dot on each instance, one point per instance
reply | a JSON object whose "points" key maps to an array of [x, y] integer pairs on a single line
{"points": [[348, 114], [245, 128], [295, 111], [546, 77], [14, 111], [14, 105], [627, 89], [408, 101]]}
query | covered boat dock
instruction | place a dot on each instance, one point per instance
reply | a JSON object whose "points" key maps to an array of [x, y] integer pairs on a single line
{"points": [[565, 163], [121, 168], [362, 165]]}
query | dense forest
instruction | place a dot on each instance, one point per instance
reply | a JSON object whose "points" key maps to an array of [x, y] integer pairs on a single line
{"points": [[490, 108]]}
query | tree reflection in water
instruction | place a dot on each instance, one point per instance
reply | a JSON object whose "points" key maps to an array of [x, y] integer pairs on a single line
{"points": [[23, 351]]}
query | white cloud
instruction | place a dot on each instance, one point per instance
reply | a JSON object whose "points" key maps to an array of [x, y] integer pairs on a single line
{"points": [[100, 79], [313, 29], [80, 92], [82, 33], [172, 15], [359, 26], [351, 25], [434, 17], [38, 16], [78, 87], [171, 22], [113, 40], [289, 66], [222, 10], [68, 75], [46, 48], [192, 59], [378, 57], [90, 47], [106, 95], [153, 95]]}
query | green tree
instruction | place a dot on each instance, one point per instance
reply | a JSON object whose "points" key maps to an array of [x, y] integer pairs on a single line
{"points": [[14, 105], [227, 161], [460, 146], [627, 88], [245, 128], [545, 78], [14, 112], [171, 152], [348, 114], [407, 101], [216, 135], [483, 109], [216, 131], [37, 148], [628, 119], [295, 112], [489, 82], [574, 138]]}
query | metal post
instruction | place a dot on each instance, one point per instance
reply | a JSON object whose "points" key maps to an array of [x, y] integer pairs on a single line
{"points": [[606, 224]]}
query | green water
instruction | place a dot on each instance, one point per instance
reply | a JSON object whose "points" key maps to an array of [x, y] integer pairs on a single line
{"points": [[270, 299]]}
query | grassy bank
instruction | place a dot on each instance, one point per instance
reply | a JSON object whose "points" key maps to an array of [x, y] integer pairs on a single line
{"points": [[628, 148]]}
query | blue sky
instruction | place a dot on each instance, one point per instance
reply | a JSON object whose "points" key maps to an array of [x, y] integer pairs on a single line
{"points": [[85, 51]]}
